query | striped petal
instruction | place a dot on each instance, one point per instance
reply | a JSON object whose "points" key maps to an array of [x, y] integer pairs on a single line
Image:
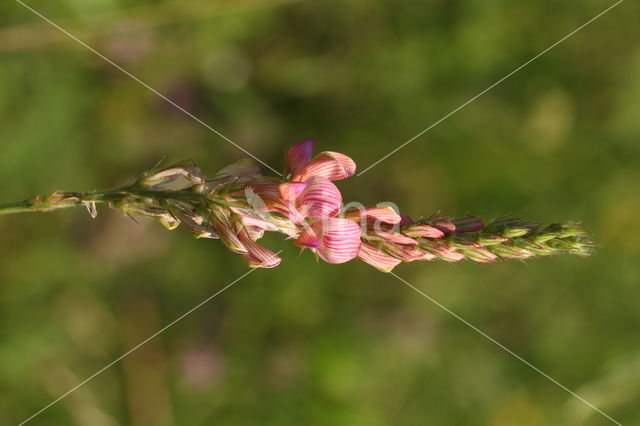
{"points": [[339, 239], [384, 214], [255, 221], [321, 198], [376, 258], [307, 239], [257, 256], [424, 231], [330, 165], [289, 191], [392, 236], [255, 232], [265, 188], [298, 155], [264, 205], [412, 253], [442, 250], [405, 253], [229, 236], [452, 256]]}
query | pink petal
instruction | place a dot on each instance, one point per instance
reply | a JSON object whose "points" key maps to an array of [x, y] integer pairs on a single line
{"points": [[377, 258], [258, 256], [307, 239], [405, 253], [262, 205], [228, 236], [384, 214], [442, 251], [265, 188], [256, 221], [321, 198], [255, 233], [289, 191], [294, 215], [425, 231], [298, 155], [412, 253], [453, 256], [346, 161], [330, 165], [339, 239], [391, 236]]}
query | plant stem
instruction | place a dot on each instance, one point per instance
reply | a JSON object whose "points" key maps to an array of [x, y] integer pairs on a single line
{"points": [[73, 199], [33, 206]]}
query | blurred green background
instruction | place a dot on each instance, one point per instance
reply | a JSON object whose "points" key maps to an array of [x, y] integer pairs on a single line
{"points": [[310, 343]]}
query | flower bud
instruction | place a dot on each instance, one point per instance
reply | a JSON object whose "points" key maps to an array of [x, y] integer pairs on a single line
{"points": [[491, 240], [164, 177], [468, 224], [441, 223], [422, 230], [91, 208], [564, 230], [61, 198], [440, 249], [508, 251], [479, 254], [514, 232]]}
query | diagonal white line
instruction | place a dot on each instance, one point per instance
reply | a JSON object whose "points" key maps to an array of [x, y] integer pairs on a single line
{"points": [[492, 86], [145, 85], [137, 346], [524, 361]]}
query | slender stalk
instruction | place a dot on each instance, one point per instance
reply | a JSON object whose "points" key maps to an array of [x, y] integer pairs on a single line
{"points": [[33, 205], [64, 200]]}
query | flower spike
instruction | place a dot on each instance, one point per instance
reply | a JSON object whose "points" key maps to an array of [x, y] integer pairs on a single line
{"points": [[239, 204]]}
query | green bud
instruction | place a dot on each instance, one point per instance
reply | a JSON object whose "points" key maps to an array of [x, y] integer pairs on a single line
{"points": [[479, 255], [508, 251], [491, 240], [515, 232]]}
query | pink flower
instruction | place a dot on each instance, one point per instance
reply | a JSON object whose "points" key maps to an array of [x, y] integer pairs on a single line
{"points": [[313, 205], [335, 240], [309, 201], [328, 164], [237, 237], [313, 201]]}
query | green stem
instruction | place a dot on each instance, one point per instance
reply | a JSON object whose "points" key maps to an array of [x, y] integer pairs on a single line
{"points": [[33, 206], [39, 204]]}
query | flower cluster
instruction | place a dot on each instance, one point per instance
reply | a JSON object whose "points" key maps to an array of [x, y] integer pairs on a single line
{"points": [[240, 203]]}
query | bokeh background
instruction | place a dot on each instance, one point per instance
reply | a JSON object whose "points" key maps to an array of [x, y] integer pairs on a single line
{"points": [[310, 343]]}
